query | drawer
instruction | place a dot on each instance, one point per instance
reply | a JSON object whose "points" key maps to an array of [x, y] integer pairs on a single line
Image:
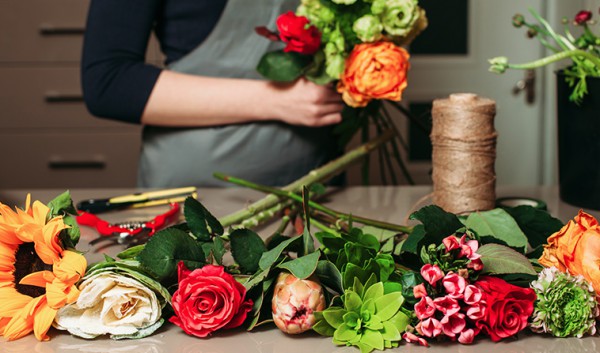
{"points": [[47, 31], [46, 98], [69, 160]]}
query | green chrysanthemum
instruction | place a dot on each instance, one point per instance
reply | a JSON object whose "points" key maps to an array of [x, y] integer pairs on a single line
{"points": [[370, 318], [397, 16], [566, 305]]}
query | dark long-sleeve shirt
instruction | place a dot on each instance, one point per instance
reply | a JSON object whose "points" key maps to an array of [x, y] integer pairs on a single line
{"points": [[116, 81]]}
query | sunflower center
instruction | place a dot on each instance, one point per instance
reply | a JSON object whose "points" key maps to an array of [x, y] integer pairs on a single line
{"points": [[27, 261]]}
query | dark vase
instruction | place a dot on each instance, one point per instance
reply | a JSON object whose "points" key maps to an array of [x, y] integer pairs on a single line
{"points": [[579, 145]]}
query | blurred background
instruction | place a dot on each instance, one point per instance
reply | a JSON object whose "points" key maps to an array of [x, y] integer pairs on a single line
{"points": [[49, 140]]}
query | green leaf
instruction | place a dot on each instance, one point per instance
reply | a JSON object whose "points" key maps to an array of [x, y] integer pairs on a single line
{"points": [[330, 241], [400, 320], [380, 234], [388, 305], [329, 275], [409, 280], [412, 243], [73, 233], [131, 253], [165, 249], [282, 66], [302, 267], [61, 205], [323, 328], [334, 316], [246, 248], [373, 339], [219, 249], [437, 222], [270, 257], [499, 224], [357, 236], [500, 259], [352, 301], [200, 221], [141, 332], [390, 332], [537, 224], [344, 333], [373, 292], [351, 273]]}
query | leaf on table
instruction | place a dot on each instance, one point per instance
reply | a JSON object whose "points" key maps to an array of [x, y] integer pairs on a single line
{"points": [[246, 248], [499, 224]]}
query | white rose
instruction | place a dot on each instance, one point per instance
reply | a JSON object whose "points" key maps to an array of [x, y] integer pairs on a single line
{"points": [[113, 304]]}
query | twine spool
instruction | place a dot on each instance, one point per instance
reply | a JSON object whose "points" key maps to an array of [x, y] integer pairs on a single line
{"points": [[464, 153]]}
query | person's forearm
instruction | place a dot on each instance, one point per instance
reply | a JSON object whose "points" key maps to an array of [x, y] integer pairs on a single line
{"points": [[186, 100]]}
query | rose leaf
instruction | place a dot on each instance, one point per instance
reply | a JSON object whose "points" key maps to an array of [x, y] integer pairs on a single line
{"points": [[282, 66], [247, 248], [500, 225], [302, 267], [200, 221], [500, 259]]}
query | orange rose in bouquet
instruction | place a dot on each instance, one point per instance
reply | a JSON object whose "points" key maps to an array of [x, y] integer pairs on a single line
{"points": [[374, 71], [576, 248]]}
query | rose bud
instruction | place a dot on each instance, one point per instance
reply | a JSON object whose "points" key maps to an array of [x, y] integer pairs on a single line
{"points": [[294, 302]]}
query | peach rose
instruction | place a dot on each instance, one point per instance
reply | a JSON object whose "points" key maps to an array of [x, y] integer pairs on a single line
{"points": [[374, 71], [576, 248]]}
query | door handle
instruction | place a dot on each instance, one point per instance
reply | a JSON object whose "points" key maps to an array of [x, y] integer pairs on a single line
{"points": [[527, 85]]}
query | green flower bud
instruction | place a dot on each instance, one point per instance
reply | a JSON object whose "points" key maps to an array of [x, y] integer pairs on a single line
{"points": [[344, 2], [518, 20], [566, 305], [368, 28], [318, 15], [498, 64]]}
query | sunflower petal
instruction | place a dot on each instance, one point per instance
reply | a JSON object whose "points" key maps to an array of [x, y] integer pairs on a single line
{"points": [[7, 235], [38, 279], [21, 323], [42, 321], [71, 267], [40, 212], [27, 232], [12, 301]]}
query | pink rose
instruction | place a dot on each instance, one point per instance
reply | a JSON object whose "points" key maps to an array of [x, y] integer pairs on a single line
{"points": [[430, 327], [424, 308], [477, 311], [475, 264], [419, 291], [431, 273], [467, 336], [451, 243], [208, 299], [473, 294], [447, 305], [454, 285], [508, 307], [453, 324], [412, 338], [297, 34]]}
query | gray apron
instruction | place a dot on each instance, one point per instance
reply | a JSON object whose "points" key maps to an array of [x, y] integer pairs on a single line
{"points": [[269, 153]]}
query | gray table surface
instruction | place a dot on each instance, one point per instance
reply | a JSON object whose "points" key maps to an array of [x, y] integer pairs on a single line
{"points": [[392, 204]]}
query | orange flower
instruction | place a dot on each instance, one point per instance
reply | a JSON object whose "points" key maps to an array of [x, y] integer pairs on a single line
{"points": [[30, 293], [374, 71], [576, 249]]}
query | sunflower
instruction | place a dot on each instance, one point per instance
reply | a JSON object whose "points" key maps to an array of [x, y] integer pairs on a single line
{"points": [[37, 276]]}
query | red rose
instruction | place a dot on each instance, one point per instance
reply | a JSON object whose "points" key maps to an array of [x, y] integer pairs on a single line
{"points": [[583, 16], [508, 307], [208, 299], [299, 36]]}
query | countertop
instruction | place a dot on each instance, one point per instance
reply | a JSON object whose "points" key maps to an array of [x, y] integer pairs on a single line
{"points": [[392, 204]]}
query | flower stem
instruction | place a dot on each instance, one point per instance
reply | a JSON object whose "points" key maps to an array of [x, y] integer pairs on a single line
{"points": [[556, 57], [314, 205], [323, 173]]}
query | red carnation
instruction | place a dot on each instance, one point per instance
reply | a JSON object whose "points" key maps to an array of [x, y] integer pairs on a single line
{"points": [[208, 299], [299, 36]]}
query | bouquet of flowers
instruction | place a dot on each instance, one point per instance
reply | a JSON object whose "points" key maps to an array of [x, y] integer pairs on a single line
{"points": [[583, 50], [356, 45], [364, 283]]}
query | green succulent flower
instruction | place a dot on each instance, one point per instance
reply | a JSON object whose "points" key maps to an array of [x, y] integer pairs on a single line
{"points": [[566, 305], [370, 318], [368, 28], [397, 16], [334, 54]]}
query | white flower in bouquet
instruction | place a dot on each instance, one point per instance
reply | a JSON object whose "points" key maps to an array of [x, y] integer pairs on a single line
{"points": [[113, 304]]}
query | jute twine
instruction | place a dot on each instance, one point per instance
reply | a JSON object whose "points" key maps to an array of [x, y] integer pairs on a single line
{"points": [[464, 152]]}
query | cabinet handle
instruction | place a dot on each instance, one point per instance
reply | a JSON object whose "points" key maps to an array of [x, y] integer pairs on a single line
{"points": [[58, 97], [52, 30], [58, 163]]}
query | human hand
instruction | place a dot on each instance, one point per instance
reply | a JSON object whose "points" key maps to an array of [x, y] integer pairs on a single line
{"points": [[306, 103]]}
